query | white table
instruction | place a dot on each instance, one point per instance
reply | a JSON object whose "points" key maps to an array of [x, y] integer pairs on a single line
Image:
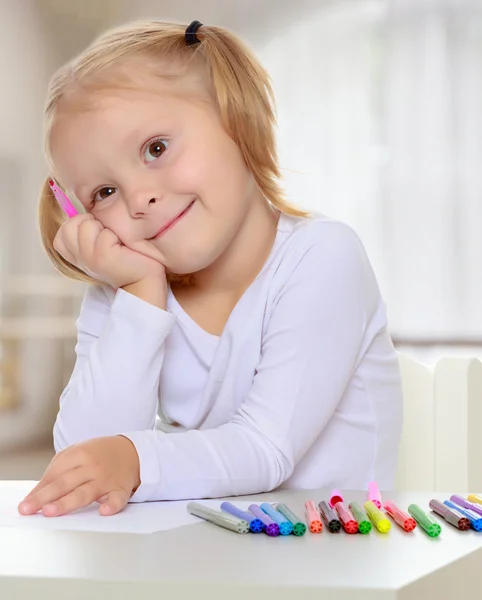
{"points": [[204, 561]]}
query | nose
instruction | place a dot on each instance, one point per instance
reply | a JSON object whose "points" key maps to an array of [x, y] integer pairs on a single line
{"points": [[140, 203]]}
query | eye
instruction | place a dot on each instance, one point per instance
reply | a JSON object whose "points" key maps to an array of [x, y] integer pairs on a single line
{"points": [[103, 193], [154, 149]]}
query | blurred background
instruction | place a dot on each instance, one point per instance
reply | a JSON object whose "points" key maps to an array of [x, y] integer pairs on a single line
{"points": [[380, 125]]}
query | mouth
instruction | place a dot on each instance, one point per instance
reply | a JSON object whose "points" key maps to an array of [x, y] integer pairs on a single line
{"points": [[173, 222]]}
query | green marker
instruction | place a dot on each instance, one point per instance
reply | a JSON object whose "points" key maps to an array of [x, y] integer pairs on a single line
{"points": [[364, 525], [430, 527], [299, 528]]}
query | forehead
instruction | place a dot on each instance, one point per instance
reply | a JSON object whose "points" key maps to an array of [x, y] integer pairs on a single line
{"points": [[124, 97]]}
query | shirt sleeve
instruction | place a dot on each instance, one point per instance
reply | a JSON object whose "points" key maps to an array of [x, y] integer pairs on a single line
{"points": [[115, 382], [310, 350]]}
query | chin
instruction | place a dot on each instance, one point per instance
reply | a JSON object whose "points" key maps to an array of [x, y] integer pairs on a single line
{"points": [[183, 270], [187, 265]]}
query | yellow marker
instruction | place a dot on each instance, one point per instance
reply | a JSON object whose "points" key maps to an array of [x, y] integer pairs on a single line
{"points": [[474, 498], [377, 517]]}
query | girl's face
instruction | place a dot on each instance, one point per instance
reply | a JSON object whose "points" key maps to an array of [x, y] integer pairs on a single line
{"points": [[159, 170]]}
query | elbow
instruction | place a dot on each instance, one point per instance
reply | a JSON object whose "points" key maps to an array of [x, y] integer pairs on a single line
{"points": [[275, 465], [281, 470]]}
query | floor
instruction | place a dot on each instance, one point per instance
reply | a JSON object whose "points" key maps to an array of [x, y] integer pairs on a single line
{"points": [[28, 464]]}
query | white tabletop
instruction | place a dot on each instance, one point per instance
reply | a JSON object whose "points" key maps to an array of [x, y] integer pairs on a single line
{"points": [[205, 561]]}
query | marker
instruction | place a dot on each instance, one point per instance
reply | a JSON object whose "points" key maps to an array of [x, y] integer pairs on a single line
{"points": [[374, 494], [401, 518], [62, 199], [466, 504], [474, 498], [364, 525], [451, 515], [346, 518], [285, 526], [270, 527], [425, 521], [330, 517], [474, 518], [255, 525], [377, 517], [313, 517], [299, 528], [218, 518], [336, 496]]}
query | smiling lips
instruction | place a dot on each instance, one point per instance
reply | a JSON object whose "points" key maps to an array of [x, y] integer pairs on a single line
{"points": [[169, 224]]}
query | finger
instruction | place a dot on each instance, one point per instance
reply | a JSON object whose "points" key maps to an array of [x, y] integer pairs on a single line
{"points": [[63, 462], [81, 496], [42, 483], [87, 235], [56, 489], [116, 501], [68, 235], [61, 247], [105, 242]]}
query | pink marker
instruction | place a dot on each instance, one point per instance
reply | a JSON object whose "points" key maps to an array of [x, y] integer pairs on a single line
{"points": [[374, 494], [401, 518], [62, 199], [336, 496]]}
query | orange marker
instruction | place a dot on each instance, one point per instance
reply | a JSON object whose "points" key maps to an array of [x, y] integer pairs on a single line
{"points": [[313, 517]]}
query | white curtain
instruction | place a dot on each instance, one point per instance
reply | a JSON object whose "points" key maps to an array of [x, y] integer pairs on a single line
{"points": [[380, 118]]}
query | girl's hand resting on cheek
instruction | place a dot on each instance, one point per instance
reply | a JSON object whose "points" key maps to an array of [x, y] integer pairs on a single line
{"points": [[102, 469], [88, 245]]}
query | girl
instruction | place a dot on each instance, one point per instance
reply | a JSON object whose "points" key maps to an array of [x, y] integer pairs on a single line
{"points": [[229, 343]]}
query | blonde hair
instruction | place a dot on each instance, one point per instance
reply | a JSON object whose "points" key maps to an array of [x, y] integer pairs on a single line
{"points": [[240, 87]]}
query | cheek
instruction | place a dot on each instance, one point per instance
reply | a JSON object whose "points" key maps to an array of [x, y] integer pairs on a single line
{"points": [[207, 169], [188, 174]]}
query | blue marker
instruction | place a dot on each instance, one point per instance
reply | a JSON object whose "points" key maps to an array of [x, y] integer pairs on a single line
{"points": [[285, 526], [474, 518], [255, 524]]}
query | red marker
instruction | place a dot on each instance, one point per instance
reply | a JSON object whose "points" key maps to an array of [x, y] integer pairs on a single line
{"points": [[348, 521], [401, 518]]}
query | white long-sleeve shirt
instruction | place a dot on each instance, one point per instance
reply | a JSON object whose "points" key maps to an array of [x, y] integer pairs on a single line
{"points": [[301, 390]]}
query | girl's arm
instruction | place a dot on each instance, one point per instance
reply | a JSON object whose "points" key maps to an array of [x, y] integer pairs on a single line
{"points": [[115, 382], [315, 339]]}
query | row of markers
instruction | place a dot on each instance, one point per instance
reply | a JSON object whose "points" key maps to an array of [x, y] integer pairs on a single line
{"points": [[278, 519]]}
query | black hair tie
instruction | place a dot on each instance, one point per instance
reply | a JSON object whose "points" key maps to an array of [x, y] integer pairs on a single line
{"points": [[191, 37]]}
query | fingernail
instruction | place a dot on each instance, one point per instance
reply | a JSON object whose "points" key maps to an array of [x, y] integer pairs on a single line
{"points": [[50, 509], [25, 508], [106, 510]]}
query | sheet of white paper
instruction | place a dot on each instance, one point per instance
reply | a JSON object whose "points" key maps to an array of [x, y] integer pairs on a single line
{"points": [[147, 517]]}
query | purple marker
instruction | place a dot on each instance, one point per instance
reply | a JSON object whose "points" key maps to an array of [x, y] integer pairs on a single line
{"points": [[466, 504], [255, 525], [270, 527]]}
